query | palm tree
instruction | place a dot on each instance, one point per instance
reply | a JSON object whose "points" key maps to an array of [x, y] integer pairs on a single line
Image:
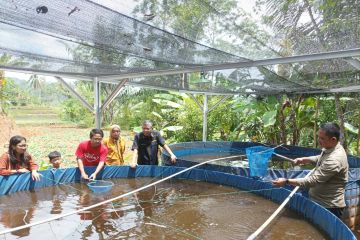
{"points": [[35, 82]]}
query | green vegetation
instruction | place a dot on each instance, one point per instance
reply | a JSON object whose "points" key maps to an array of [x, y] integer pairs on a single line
{"points": [[64, 140], [46, 132], [43, 140], [272, 119], [35, 115], [276, 120], [282, 119]]}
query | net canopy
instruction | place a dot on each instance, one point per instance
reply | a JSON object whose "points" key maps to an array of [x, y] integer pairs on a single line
{"points": [[226, 47]]}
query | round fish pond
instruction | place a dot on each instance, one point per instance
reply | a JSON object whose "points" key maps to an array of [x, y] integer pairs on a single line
{"points": [[230, 157], [197, 204], [174, 209], [233, 154]]}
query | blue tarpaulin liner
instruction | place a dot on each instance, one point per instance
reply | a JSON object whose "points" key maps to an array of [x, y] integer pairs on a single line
{"points": [[189, 148], [184, 152], [316, 214]]}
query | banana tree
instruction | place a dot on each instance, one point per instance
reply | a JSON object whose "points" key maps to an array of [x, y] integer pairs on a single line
{"points": [[166, 115], [275, 119], [258, 118]]}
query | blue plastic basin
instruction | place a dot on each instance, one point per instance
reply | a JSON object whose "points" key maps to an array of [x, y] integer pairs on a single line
{"points": [[100, 186]]}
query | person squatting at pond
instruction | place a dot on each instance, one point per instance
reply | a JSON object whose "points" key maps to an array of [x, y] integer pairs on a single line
{"points": [[18, 160], [91, 153], [328, 180], [116, 146], [146, 146]]}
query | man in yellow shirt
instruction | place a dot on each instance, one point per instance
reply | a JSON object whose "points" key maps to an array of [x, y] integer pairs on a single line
{"points": [[116, 146]]}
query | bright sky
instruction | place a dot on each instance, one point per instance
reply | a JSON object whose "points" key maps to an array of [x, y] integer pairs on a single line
{"points": [[126, 7], [26, 76]]}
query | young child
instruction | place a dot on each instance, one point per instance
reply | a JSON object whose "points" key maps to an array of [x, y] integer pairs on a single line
{"points": [[55, 159]]}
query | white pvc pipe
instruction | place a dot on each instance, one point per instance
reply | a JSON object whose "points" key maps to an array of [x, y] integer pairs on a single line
{"points": [[278, 210], [286, 158], [112, 199]]}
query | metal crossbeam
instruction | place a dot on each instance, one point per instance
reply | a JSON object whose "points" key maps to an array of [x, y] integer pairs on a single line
{"points": [[218, 103], [348, 54], [76, 76], [77, 95], [175, 89], [205, 110], [248, 64], [344, 54], [351, 89], [114, 94], [353, 62], [195, 100]]}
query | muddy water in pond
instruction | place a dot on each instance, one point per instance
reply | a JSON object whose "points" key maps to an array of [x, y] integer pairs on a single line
{"points": [[238, 159], [176, 209], [202, 157]]}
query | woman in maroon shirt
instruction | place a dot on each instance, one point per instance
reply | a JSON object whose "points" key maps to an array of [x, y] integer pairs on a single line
{"points": [[17, 159]]}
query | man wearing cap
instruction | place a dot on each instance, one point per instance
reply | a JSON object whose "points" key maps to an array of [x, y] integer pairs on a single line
{"points": [[116, 146], [146, 146]]}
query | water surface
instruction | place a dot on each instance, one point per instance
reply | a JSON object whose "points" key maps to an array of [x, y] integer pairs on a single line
{"points": [[175, 209]]}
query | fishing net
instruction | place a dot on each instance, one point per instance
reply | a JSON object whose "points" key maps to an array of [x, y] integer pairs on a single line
{"points": [[258, 157]]}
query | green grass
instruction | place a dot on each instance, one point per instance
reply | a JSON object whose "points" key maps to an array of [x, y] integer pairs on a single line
{"points": [[36, 115], [65, 140], [46, 132]]}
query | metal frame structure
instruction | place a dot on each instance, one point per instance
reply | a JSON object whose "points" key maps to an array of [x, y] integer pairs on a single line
{"points": [[124, 79], [354, 62], [98, 108], [168, 48], [206, 110], [256, 63], [346, 55]]}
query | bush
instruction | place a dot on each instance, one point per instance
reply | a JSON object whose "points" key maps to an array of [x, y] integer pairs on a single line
{"points": [[73, 111]]}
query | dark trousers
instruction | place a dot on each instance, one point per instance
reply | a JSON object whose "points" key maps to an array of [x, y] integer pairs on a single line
{"points": [[336, 211]]}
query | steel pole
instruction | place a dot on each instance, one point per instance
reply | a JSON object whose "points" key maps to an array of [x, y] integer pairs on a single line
{"points": [[205, 113], [97, 102]]}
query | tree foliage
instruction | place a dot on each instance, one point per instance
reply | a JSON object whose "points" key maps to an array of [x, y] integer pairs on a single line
{"points": [[297, 27]]}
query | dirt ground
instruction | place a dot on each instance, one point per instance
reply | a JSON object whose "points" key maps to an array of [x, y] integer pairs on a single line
{"points": [[8, 128]]}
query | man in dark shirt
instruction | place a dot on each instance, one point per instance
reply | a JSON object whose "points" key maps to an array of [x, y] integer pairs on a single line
{"points": [[146, 146]]}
